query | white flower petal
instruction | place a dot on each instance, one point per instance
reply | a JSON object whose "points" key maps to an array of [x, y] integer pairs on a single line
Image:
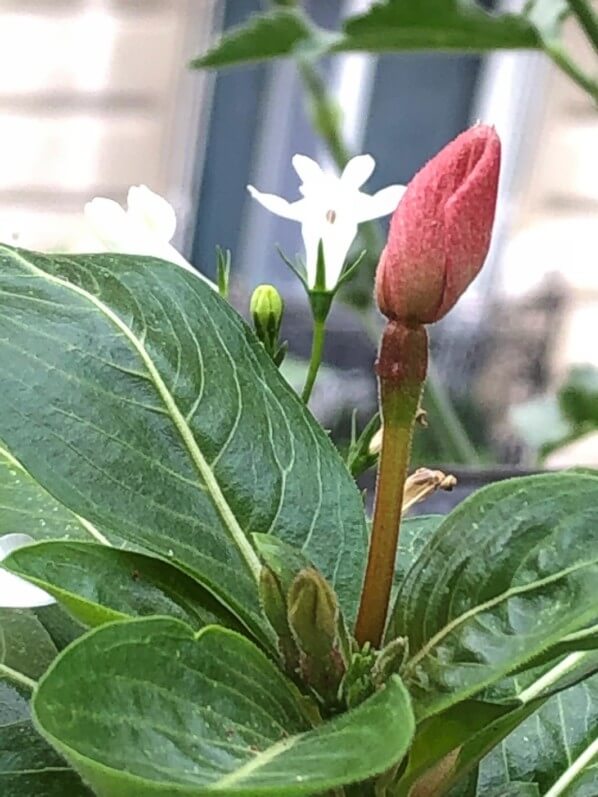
{"points": [[15, 592], [10, 543], [358, 170], [311, 232], [108, 221], [337, 241], [308, 170], [152, 211], [278, 205], [381, 203]]}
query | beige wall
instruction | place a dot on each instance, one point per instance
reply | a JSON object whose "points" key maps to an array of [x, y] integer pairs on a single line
{"points": [[94, 97], [556, 221]]}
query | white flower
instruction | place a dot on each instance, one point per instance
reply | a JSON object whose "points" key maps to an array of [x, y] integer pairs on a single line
{"points": [[330, 210], [144, 228], [15, 592]]}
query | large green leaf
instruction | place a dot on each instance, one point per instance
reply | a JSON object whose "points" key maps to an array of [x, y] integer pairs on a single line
{"points": [[26, 508], [28, 765], [508, 575], [435, 25], [392, 25], [135, 395], [415, 534], [555, 749], [217, 717], [98, 584], [448, 746], [275, 34]]}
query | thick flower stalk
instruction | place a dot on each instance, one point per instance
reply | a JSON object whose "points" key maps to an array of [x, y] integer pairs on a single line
{"points": [[438, 240]]}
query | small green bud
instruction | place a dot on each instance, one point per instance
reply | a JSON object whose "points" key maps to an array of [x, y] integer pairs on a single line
{"points": [[273, 602], [313, 612], [274, 605], [266, 308], [313, 617]]}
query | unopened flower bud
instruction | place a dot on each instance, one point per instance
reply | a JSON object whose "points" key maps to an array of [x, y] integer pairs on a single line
{"points": [[440, 232], [266, 308], [273, 600], [313, 612], [313, 617]]}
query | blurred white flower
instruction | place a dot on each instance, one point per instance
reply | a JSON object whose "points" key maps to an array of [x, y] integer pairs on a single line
{"points": [[15, 592], [144, 228], [330, 210]]}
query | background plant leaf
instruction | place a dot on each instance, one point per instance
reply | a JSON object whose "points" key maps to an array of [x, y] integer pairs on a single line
{"points": [[435, 25], [508, 574], [218, 717], [136, 396], [272, 35], [99, 584]]}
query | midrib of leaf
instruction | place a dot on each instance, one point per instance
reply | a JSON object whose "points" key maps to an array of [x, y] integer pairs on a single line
{"points": [[15, 675], [177, 417], [89, 527], [254, 764], [576, 768], [553, 675], [482, 607]]}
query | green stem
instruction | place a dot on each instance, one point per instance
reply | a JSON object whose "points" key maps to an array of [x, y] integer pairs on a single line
{"points": [[440, 406], [401, 367], [317, 347], [587, 18], [17, 677], [562, 60], [398, 410]]}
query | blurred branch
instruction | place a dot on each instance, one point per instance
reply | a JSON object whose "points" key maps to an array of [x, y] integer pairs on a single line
{"points": [[587, 18]]}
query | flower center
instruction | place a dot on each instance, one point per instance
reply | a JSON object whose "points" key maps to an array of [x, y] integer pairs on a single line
{"points": [[331, 216]]}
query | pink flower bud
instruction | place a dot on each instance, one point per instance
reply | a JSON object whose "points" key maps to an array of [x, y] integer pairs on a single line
{"points": [[440, 232]]}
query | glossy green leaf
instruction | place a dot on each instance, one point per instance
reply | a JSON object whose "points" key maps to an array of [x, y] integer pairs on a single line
{"points": [[508, 574], [98, 584], [556, 749], [26, 508], [272, 35], [136, 396], [414, 535], [28, 765], [435, 25], [218, 717]]}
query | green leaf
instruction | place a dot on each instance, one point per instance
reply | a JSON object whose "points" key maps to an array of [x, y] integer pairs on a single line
{"points": [[26, 508], [98, 584], [448, 746], [217, 717], [578, 397], [435, 25], [275, 34], [509, 574], [556, 748], [414, 535], [135, 395], [28, 765]]}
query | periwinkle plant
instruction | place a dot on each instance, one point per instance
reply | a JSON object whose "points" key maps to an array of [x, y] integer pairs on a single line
{"points": [[239, 628]]}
